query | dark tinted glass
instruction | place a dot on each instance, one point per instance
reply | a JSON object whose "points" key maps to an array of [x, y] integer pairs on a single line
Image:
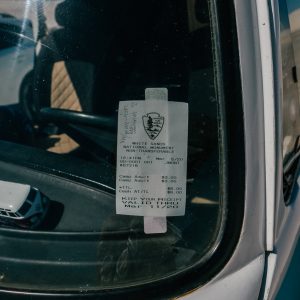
{"points": [[9, 36], [24, 209], [290, 102], [59, 115]]}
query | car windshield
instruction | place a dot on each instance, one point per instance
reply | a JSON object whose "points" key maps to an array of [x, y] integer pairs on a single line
{"points": [[71, 91]]}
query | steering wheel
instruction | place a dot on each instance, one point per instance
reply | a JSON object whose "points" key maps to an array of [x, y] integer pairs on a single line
{"points": [[98, 139], [57, 115]]}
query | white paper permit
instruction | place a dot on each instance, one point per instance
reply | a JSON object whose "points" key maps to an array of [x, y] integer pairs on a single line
{"points": [[152, 158]]}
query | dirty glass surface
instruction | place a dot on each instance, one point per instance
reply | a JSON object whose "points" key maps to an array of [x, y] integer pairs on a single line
{"points": [[64, 67], [290, 100], [290, 96]]}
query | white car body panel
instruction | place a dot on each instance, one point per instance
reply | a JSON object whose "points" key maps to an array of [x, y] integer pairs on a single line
{"points": [[271, 265], [266, 57], [243, 284]]}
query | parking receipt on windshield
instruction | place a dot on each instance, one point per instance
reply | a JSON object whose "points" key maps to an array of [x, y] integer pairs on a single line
{"points": [[152, 158]]}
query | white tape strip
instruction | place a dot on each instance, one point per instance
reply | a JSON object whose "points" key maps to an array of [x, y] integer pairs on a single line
{"points": [[155, 225], [156, 94]]}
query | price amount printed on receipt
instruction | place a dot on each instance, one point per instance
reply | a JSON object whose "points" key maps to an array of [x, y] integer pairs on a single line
{"points": [[152, 158]]}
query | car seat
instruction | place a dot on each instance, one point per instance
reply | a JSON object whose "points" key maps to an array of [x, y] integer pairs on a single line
{"points": [[99, 56]]}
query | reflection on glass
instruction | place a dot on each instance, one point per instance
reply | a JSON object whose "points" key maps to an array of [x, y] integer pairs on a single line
{"points": [[63, 62], [294, 21], [291, 120]]}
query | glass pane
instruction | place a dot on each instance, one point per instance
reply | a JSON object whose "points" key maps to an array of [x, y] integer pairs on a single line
{"points": [[59, 114], [291, 111]]}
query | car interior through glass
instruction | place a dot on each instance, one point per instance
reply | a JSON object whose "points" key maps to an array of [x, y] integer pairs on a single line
{"points": [[65, 67]]}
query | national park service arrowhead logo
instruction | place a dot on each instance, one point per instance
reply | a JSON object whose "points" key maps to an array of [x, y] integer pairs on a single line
{"points": [[153, 124]]}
